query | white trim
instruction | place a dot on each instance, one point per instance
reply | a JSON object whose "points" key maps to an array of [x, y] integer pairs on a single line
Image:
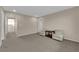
{"points": [[18, 35], [71, 39]]}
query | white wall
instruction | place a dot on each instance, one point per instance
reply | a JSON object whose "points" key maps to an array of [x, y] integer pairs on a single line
{"points": [[67, 20], [25, 24], [1, 25]]}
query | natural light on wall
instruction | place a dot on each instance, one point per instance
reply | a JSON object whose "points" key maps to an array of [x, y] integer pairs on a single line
{"points": [[11, 22], [34, 19]]}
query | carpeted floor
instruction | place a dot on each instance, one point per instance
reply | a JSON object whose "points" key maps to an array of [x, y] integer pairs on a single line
{"points": [[36, 43]]}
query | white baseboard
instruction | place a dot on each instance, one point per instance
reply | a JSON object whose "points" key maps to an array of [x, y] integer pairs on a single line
{"points": [[18, 35], [71, 40]]}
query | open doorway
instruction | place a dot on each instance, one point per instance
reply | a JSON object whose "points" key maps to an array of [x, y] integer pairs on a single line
{"points": [[11, 25], [40, 25]]}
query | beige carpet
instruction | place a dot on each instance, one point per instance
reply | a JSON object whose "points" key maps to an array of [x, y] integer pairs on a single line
{"points": [[36, 43]]}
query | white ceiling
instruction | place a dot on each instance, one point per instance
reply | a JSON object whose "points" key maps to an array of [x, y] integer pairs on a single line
{"points": [[37, 11]]}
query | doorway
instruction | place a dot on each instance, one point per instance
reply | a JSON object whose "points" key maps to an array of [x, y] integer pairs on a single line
{"points": [[40, 24], [11, 25]]}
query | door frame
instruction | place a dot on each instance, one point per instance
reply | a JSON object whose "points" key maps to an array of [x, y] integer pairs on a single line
{"points": [[15, 27], [40, 24]]}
